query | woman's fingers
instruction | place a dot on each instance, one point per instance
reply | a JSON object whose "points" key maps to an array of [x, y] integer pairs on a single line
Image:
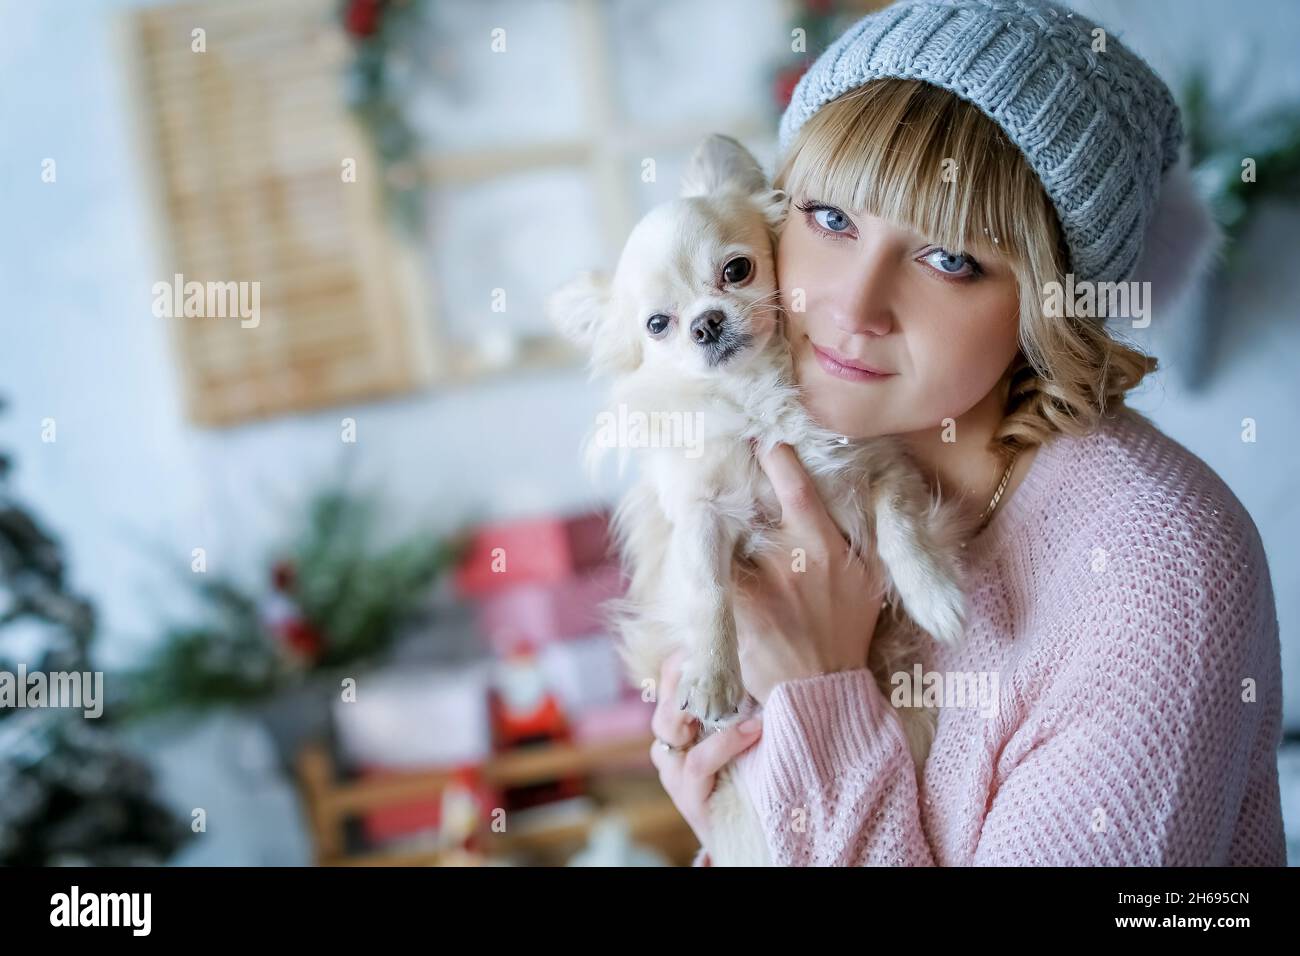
{"points": [[802, 512], [668, 723], [715, 751]]}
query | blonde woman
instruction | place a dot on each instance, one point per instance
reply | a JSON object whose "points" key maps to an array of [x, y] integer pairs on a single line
{"points": [[1117, 697]]}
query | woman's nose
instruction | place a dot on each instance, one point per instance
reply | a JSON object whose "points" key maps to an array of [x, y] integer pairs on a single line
{"points": [[863, 301]]}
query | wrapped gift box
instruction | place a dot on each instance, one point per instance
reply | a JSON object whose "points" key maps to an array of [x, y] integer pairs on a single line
{"points": [[534, 551], [399, 822], [584, 672], [414, 719], [417, 718], [629, 716], [543, 613], [626, 716], [390, 823]]}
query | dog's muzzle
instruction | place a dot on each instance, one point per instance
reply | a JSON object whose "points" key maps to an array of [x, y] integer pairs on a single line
{"points": [[720, 339]]}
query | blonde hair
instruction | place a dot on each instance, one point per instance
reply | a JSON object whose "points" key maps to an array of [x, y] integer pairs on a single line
{"points": [[919, 155]]}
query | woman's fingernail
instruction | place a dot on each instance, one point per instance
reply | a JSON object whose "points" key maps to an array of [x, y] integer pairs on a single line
{"points": [[751, 725]]}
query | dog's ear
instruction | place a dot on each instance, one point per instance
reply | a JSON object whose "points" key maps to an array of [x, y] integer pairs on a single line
{"points": [[582, 310], [722, 163], [774, 204], [578, 307]]}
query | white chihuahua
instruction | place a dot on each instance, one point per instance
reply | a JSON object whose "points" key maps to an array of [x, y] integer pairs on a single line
{"points": [[690, 329]]}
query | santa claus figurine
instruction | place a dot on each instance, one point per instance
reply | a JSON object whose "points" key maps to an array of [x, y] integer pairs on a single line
{"points": [[526, 712]]}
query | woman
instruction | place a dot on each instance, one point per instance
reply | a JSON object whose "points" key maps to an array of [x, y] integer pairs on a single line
{"points": [[947, 162]]}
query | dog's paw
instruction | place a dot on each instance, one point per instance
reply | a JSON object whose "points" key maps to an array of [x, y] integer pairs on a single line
{"points": [[942, 614], [712, 695]]}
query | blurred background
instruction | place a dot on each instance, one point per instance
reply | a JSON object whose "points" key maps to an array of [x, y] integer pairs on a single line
{"points": [[320, 518]]}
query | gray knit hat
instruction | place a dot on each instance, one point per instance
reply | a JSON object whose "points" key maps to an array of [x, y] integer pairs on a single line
{"points": [[1099, 128]]}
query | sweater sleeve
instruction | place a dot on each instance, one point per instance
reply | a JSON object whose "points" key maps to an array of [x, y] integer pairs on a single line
{"points": [[832, 779]]}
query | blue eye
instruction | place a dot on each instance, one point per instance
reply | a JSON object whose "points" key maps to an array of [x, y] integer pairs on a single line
{"points": [[827, 218], [952, 263], [832, 220]]}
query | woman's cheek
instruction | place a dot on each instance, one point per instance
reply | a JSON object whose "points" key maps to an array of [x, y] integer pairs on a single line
{"points": [[798, 275], [797, 307], [944, 385], [972, 367], [791, 285]]}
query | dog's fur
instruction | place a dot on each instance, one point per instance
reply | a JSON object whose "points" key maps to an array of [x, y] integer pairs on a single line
{"points": [[689, 523]]}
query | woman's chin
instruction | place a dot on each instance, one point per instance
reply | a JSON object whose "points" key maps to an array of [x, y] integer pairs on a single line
{"points": [[829, 414], [833, 409]]}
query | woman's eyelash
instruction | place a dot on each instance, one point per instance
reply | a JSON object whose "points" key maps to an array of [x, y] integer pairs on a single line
{"points": [[810, 208], [817, 206], [976, 270]]}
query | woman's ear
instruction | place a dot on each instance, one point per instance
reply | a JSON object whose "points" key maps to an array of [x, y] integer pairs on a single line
{"points": [[578, 308], [721, 162]]}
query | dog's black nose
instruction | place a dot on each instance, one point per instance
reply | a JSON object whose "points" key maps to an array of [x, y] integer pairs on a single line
{"points": [[706, 328]]}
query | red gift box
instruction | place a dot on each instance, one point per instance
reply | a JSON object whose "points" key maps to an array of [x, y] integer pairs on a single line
{"points": [[397, 821], [503, 555]]}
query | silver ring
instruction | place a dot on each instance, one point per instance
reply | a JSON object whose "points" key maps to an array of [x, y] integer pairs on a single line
{"points": [[667, 746]]}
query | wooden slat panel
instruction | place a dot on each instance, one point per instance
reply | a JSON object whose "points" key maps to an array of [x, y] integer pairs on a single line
{"points": [[249, 139]]}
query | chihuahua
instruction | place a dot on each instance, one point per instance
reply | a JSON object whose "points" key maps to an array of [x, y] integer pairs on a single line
{"points": [[690, 329]]}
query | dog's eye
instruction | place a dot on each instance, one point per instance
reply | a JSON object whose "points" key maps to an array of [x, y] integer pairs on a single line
{"points": [[658, 323], [737, 270]]}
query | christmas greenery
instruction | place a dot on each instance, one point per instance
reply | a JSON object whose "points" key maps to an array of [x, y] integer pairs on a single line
{"points": [[1220, 153], [70, 793], [386, 44], [333, 601]]}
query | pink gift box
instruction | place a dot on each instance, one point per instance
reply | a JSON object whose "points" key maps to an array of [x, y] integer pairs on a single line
{"points": [[534, 551], [627, 718], [543, 613], [584, 672]]}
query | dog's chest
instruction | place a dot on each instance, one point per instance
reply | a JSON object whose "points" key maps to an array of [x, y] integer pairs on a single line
{"points": [[724, 479]]}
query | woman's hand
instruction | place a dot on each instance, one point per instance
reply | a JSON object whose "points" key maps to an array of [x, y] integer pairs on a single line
{"points": [[793, 624], [688, 776]]}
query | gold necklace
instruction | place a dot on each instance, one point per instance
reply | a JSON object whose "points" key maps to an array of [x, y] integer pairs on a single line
{"points": [[984, 517], [997, 495]]}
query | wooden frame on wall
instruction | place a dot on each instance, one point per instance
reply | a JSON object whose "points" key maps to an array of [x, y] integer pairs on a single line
{"points": [[245, 142], [241, 148], [604, 152]]}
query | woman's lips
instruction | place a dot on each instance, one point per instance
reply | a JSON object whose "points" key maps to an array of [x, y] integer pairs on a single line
{"points": [[836, 367]]}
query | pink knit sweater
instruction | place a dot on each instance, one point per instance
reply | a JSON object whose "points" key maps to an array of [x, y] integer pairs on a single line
{"points": [[1120, 598]]}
